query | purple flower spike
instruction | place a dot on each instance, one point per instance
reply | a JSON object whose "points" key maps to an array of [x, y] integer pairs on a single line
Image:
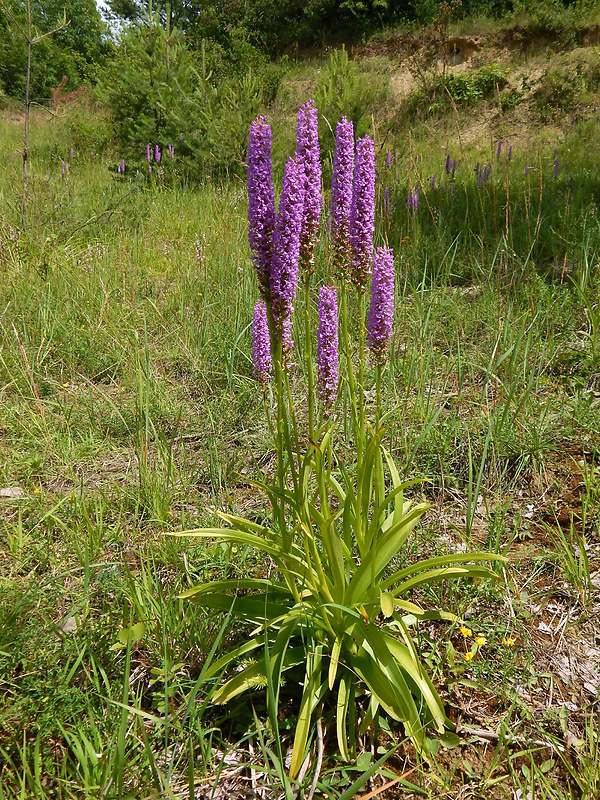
{"points": [[122, 165], [341, 193], [181, 140], [327, 347], [386, 199], [307, 150], [556, 168], [499, 148], [448, 164], [388, 160], [261, 344], [433, 181], [157, 154], [526, 171], [261, 199], [573, 122], [381, 310], [413, 199], [148, 156], [362, 212], [119, 168], [283, 278], [71, 154], [509, 153]]}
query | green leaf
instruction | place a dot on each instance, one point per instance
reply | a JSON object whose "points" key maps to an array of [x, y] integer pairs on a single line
{"points": [[129, 635], [438, 561], [313, 692], [387, 603], [343, 699], [388, 545], [434, 575], [334, 660], [449, 740]]}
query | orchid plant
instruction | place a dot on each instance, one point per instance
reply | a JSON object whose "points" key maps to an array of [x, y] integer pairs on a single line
{"points": [[337, 602]]}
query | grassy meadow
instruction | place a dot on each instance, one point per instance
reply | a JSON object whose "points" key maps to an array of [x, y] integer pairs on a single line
{"points": [[128, 410]]}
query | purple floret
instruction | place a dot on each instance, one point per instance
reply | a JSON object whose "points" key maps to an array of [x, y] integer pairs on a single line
{"points": [[341, 191], [327, 347], [261, 199], [307, 151], [362, 212], [381, 311], [261, 344], [283, 278]]}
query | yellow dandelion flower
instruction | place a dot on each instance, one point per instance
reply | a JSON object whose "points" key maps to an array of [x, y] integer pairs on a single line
{"points": [[466, 632], [468, 656], [480, 640], [508, 642], [36, 490]]}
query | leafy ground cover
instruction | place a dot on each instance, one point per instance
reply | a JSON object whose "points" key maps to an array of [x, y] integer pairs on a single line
{"points": [[129, 410]]}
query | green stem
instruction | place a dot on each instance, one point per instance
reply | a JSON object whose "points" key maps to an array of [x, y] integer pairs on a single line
{"points": [[309, 364], [378, 408]]}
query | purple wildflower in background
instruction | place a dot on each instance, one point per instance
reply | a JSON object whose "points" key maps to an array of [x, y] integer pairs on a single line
{"points": [[556, 168], [67, 167], [487, 172], [261, 199], [63, 168], [309, 161], [283, 276], [433, 181], [181, 140], [386, 199], [510, 152], [381, 310], [150, 168], [71, 154], [341, 191], [327, 347], [573, 121], [122, 165], [526, 171], [413, 199], [499, 148], [261, 344], [362, 211], [448, 164], [157, 154], [148, 156], [119, 168], [388, 159]]}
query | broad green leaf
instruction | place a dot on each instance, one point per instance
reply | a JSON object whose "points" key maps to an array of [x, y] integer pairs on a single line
{"points": [[438, 561], [434, 575], [343, 700], [255, 675], [387, 546], [334, 660], [386, 601], [240, 583], [313, 693]]}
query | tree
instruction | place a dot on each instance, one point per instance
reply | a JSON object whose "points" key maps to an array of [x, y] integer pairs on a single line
{"points": [[74, 50]]}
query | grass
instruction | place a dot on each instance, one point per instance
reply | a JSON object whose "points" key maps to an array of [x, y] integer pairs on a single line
{"points": [[128, 410]]}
